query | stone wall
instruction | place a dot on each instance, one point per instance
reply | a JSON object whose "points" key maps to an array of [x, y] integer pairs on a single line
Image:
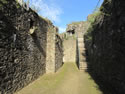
{"points": [[69, 50], [105, 45], [50, 59], [59, 52], [78, 27], [23, 42], [54, 51]]}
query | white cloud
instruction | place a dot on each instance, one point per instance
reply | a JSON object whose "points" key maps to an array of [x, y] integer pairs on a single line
{"points": [[61, 30], [48, 9]]}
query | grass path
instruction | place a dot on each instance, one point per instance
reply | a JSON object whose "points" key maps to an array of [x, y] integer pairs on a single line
{"points": [[68, 80]]}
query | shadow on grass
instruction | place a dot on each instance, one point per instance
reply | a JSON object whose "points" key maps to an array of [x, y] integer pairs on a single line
{"points": [[103, 86]]}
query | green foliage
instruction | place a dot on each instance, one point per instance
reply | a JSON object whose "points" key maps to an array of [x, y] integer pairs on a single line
{"points": [[2, 2], [106, 13], [91, 20], [88, 34], [93, 16], [17, 5]]}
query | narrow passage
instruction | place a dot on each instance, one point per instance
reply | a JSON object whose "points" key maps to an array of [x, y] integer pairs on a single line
{"points": [[68, 80]]}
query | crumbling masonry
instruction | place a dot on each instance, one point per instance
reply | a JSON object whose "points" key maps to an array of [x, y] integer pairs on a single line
{"points": [[25, 46]]}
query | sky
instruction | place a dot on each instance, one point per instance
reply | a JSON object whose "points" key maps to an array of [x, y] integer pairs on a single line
{"points": [[63, 12]]}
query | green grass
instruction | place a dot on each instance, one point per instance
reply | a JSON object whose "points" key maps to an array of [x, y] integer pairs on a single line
{"points": [[46, 83], [68, 80], [53, 80]]}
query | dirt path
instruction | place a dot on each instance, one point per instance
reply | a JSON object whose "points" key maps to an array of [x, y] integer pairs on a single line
{"points": [[68, 80]]}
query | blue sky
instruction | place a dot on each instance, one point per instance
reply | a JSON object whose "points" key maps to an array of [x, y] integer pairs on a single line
{"points": [[63, 12]]}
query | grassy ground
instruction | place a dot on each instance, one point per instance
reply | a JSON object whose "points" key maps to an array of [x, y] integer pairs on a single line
{"points": [[68, 80]]}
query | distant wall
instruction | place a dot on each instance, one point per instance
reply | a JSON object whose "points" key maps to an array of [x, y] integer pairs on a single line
{"points": [[74, 31], [69, 50], [23, 45]]}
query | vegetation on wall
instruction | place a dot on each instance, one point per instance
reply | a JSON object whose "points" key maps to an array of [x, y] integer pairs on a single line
{"points": [[93, 16], [76, 23], [91, 19], [2, 2], [104, 42]]}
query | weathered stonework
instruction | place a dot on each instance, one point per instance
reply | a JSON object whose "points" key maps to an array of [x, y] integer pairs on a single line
{"points": [[78, 27], [105, 45], [69, 50], [59, 52], [73, 46], [50, 65], [23, 45], [54, 51]]}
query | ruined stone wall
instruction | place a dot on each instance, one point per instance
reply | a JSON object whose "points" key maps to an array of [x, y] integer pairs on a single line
{"points": [[69, 50], [59, 52], [54, 51], [50, 59], [105, 45], [78, 27], [23, 40]]}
